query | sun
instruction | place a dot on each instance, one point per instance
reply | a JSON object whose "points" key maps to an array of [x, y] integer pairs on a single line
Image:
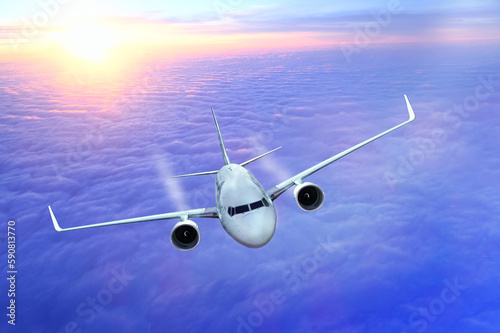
{"points": [[90, 42]]}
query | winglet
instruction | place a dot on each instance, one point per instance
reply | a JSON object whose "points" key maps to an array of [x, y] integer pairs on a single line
{"points": [[224, 152], [282, 187], [54, 221], [410, 110]]}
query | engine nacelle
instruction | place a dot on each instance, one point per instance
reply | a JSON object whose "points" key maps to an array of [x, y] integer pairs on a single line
{"points": [[185, 235], [309, 196]]}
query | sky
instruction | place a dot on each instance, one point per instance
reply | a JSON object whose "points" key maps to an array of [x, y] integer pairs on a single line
{"points": [[95, 29], [96, 116]]}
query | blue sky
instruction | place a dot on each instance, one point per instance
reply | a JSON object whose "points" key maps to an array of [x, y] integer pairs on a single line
{"points": [[200, 7], [408, 238]]}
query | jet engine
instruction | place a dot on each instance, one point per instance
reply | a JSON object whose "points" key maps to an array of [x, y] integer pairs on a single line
{"points": [[185, 235], [309, 196]]}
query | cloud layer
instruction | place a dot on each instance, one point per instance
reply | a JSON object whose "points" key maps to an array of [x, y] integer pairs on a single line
{"points": [[405, 218]]}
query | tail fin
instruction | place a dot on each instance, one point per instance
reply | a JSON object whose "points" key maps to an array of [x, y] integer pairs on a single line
{"points": [[222, 147], [224, 155]]}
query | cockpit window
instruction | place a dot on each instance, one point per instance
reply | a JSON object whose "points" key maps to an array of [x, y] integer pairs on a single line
{"points": [[256, 205], [245, 208], [242, 209]]}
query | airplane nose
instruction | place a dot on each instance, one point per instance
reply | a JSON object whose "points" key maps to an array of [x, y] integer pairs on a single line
{"points": [[259, 228]]}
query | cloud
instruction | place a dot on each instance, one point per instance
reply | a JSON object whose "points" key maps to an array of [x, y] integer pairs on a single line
{"points": [[68, 111], [391, 249]]}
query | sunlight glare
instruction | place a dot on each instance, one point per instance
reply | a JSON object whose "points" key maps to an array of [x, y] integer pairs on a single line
{"points": [[89, 42]]}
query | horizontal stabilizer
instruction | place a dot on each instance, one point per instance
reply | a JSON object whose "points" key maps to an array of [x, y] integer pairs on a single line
{"points": [[197, 174], [256, 158]]}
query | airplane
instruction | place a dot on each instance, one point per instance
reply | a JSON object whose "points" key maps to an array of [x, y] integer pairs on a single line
{"points": [[245, 209]]}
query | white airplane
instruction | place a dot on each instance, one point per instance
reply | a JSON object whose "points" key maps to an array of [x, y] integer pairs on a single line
{"points": [[244, 208]]}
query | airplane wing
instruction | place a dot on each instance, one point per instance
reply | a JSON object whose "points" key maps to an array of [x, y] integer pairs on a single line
{"points": [[298, 178], [183, 215]]}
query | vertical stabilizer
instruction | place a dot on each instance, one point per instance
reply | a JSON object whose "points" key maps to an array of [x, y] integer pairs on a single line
{"points": [[224, 153]]}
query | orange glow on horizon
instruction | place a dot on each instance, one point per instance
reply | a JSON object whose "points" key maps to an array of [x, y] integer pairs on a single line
{"points": [[110, 46], [108, 43]]}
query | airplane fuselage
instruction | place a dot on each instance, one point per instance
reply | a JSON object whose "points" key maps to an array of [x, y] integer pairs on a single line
{"points": [[245, 209]]}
